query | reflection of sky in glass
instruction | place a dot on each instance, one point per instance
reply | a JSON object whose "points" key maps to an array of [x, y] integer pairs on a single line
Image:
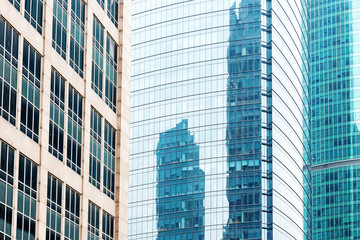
{"points": [[182, 61]]}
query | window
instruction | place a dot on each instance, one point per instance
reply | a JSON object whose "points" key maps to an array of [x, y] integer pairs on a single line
{"points": [[93, 221], [27, 197], [16, 4], [56, 123], [112, 11], [107, 227], [59, 29], [53, 213], [6, 189], [72, 215], [102, 3], [33, 13], [9, 43], [30, 100], [95, 148], [77, 36], [111, 73], [74, 130], [97, 57], [109, 161]]}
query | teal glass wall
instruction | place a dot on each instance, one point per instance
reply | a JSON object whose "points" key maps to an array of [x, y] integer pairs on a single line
{"points": [[180, 185], [335, 95], [218, 103]]}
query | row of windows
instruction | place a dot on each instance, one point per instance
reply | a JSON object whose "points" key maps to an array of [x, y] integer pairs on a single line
{"points": [[112, 8], [27, 195], [30, 110], [34, 11], [97, 74], [95, 154], [94, 224], [77, 32], [57, 122], [30, 93]]}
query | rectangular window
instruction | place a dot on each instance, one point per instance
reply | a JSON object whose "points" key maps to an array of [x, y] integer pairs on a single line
{"points": [[9, 43], [77, 36], [72, 215], [107, 227], [97, 57], [34, 13], [102, 3], [16, 4], [74, 130], [27, 197], [56, 123], [95, 148], [111, 73], [109, 161], [93, 222], [30, 100], [112, 11], [59, 29], [6, 188], [53, 213]]}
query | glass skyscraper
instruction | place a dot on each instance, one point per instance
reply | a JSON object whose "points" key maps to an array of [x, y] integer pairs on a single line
{"points": [[219, 123], [335, 91]]}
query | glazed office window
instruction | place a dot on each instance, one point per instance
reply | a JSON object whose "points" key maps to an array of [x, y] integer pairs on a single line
{"points": [[9, 43], [34, 13], [97, 57], [93, 222], [57, 107], [109, 161], [77, 35], [95, 148], [6, 188], [27, 198], [74, 130], [53, 213], [16, 4], [72, 214], [107, 227], [111, 73], [59, 29], [102, 3], [112, 11], [30, 91]]}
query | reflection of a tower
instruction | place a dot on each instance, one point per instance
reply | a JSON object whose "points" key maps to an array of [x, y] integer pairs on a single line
{"points": [[243, 133], [181, 185]]}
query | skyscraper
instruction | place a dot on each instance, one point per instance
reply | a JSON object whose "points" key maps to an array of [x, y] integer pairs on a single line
{"points": [[64, 106], [334, 54], [237, 71]]}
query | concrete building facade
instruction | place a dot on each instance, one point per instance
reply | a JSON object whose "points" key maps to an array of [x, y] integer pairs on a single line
{"points": [[64, 125]]}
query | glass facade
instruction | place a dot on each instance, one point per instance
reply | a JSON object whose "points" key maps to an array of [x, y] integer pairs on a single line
{"points": [[219, 103], [335, 91]]}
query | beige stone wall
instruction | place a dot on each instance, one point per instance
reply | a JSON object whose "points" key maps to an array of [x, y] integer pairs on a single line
{"points": [[120, 120]]}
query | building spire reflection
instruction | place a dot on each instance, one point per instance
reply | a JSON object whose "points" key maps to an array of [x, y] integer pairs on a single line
{"points": [[180, 189], [243, 132]]}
